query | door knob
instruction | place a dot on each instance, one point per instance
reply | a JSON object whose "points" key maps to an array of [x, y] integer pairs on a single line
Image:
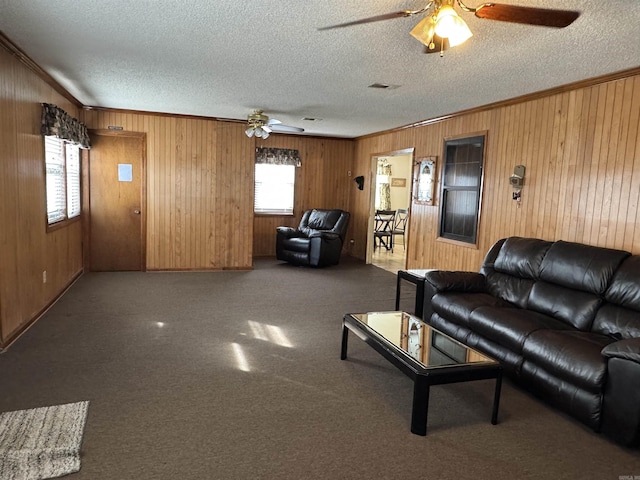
{"points": [[137, 212]]}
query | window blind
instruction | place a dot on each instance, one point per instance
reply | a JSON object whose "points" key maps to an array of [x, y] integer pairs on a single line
{"points": [[54, 162], [274, 189], [62, 166], [73, 180]]}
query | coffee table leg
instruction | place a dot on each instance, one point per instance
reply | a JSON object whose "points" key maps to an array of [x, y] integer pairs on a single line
{"points": [[496, 399], [420, 406], [345, 338]]}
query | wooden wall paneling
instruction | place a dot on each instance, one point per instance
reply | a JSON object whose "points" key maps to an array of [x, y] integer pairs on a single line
{"points": [[593, 158], [581, 149], [583, 156], [624, 173], [610, 147], [321, 182], [196, 186], [523, 157], [235, 197], [632, 171], [28, 249], [619, 129], [567, 223], [9, 316], [605, 111], [212, 195]]}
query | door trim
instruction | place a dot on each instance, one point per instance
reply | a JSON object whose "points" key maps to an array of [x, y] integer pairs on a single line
{"points": [[372, 198], [86, 197]]}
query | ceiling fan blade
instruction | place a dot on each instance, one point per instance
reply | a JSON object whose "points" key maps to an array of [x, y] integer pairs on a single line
{"points": [[286, 129], [273, 121], [377, 18], [528, 15]]}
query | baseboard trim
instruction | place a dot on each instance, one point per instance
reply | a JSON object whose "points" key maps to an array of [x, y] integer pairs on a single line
{"points": [[27, 325]]}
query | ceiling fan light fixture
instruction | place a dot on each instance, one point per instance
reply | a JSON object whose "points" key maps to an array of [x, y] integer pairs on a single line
{"points": [[424, 31], [449, 25], [250, 131], [460, 34]]}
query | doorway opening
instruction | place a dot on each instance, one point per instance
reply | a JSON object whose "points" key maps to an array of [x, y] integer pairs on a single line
{"points": [[389, 216]]}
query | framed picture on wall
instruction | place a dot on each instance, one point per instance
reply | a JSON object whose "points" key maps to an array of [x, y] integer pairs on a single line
{"points": [[424, 178]]}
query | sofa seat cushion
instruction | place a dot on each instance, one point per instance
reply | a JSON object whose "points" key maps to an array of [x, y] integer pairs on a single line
{"points": [[296, 244], [569, 355], [457, 306], [510, 327]]}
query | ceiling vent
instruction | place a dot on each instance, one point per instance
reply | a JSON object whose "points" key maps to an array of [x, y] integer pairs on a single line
{"points": [[383, 86]]}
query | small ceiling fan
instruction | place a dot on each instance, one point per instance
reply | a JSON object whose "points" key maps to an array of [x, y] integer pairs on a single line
{"points": [[443, 23], [261, 126]]}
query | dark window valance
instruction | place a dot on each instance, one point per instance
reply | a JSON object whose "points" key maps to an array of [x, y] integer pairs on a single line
{"points": [[278, 156], [59, 123]]}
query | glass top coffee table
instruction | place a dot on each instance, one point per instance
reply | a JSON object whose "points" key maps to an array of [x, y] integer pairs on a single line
{"points": [[424, 354]]}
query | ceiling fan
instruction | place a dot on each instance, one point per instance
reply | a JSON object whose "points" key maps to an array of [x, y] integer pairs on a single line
{"points": [[443, 23], [261, 125]]}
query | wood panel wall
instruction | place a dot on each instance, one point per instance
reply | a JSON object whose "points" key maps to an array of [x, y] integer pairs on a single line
{"points": [[27, 249], [322, 181], [581, 149], [200, 187]]}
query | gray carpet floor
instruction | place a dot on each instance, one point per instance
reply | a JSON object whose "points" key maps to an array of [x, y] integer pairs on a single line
{"points": [[237, 375]]}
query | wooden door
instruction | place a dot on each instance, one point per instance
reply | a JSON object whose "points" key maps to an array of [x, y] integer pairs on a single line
{"points": [[116, 199]]}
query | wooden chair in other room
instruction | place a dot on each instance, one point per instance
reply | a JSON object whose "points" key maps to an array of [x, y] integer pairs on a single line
{"points": [[384, 221], [400, 225]]}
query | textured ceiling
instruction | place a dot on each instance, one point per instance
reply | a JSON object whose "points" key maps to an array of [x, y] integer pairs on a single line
{"points": [[224, 58]]}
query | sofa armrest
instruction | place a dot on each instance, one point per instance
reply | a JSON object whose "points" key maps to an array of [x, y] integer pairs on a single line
{"points": [[324, 235], [628, 349], [437, 281], [443, 281], [621, 399], [288, 232]]}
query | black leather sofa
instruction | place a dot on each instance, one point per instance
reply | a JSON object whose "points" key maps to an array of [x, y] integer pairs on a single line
{"points": [[564, 320], [317, 242]]}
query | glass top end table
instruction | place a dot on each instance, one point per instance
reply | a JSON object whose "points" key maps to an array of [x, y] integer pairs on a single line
{"points": [[424, 354]]}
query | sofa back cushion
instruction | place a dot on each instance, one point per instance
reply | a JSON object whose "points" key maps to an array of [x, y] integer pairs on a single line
{"points": [[574, 307], [619, 317], [581, 267], [573, 280], [521, 257], [511, 268]]}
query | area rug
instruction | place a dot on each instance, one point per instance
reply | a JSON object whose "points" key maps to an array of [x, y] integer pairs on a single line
{"points": [[41, 442]]}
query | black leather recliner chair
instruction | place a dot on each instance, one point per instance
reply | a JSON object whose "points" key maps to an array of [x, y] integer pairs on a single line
{"points": [[317, 242]]}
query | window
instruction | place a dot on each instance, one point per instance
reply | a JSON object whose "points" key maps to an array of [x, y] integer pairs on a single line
{"points": [[460, 190], [62, 164], [274, 189]]}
